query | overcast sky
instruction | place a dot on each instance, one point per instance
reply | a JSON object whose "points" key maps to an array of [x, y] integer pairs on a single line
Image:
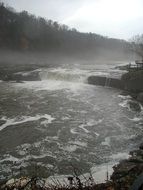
{"points": [[113, 18]]}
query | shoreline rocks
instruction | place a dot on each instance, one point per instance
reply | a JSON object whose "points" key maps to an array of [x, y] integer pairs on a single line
{"points": [[127, 171], [134, 106]]}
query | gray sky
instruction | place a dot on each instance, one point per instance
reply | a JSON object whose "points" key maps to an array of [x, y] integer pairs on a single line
{"points": [[113, 18]]}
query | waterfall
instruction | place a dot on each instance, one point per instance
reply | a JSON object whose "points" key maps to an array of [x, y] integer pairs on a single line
{"points": [[107, 81], [67, 75]]}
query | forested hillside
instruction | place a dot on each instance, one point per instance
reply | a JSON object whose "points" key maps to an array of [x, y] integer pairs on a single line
{"points": [[23, 31]]}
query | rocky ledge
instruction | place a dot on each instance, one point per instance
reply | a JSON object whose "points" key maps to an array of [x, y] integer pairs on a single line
{"points": [[105, 81], [19, 73], [23, 76], [131, 83]]}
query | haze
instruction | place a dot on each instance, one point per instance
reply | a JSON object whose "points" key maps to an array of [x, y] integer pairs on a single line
{"points": [[113, 18]]}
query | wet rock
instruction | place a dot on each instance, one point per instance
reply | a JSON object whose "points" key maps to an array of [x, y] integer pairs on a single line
{"points": [[141, 146], [133, 81], [134, 106], [29, 76], [97, 80], [115, 83], [127, 171], [104, 81], [2, 183]]}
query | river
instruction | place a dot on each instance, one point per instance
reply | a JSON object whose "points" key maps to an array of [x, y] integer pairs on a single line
{"points": [[61, 122]]}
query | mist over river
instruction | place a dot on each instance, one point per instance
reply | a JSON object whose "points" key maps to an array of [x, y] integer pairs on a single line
{"points": [[61, 121]]}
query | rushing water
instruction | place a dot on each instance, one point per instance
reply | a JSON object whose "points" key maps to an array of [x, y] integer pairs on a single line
{"points": [[61, 122]]}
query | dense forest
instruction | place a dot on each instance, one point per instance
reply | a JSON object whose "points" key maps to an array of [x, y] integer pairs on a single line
{"points": [[26, 32], [137, 44]]}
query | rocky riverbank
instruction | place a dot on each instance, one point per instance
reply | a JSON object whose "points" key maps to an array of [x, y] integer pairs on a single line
{"points": [[128, 171]]}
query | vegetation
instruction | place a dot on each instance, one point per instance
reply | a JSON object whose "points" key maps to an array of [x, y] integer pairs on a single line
{"points": [[137, 44], [23, 31]]}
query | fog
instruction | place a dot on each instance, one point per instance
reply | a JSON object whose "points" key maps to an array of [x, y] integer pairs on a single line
{"points": [[57, 59]]}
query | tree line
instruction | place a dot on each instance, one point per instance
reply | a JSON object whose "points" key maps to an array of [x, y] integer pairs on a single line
{"points": [[24, 31], [137, 44]]}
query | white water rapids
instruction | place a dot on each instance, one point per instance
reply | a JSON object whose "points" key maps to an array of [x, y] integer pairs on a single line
{"points": [[62, 121]]}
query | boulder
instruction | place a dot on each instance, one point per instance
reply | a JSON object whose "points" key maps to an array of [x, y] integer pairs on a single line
{"points": [[134, 106]]}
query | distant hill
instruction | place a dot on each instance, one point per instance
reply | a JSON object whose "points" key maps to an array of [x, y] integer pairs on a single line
{"points": [[26, 32]]}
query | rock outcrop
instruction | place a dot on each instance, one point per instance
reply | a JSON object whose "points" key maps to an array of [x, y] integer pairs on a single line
{"points": [[19, 72], [133, 81], [97, 80], [104, 81], [19, 77], [128, 171]]}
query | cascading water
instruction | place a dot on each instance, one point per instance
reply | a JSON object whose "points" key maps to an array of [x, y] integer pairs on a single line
{"points": [[107, 82], [68, 75]]}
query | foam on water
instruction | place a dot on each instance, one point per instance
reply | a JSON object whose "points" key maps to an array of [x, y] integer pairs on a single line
{"points": [[125, 104], [78, 143], [92, 122], [26, 158], [120, 156], [9, 158], [24, 119], [136, 119], [70, 148], [73, 131], [106, 142], [82, 126], [124, 97]]}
